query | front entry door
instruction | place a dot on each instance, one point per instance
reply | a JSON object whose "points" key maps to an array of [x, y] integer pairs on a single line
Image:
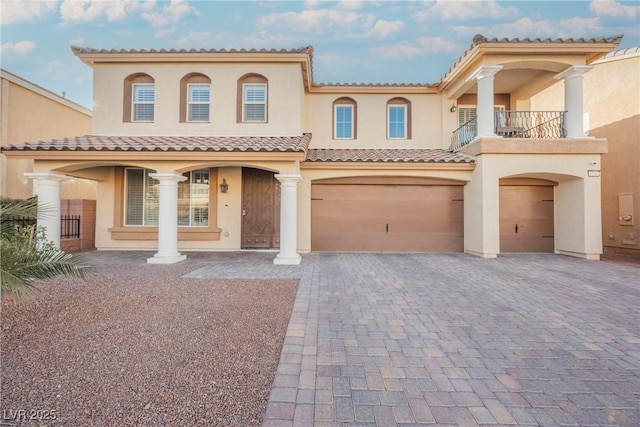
{"points": [[260, 209]]}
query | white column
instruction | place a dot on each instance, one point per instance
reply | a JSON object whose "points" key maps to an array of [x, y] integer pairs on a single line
{"points": [[288, 219], [485, 75], [573, 105], [167, 219], [48, 191]]}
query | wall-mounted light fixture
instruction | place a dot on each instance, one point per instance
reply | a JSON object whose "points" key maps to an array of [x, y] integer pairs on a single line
{"points": [[453, 108], [224, 187]]}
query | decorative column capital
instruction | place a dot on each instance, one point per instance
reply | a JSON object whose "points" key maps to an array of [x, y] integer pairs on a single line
{"points": [[46, 176], [288, 179], [573, 72], [485, 71], [168, 177]]}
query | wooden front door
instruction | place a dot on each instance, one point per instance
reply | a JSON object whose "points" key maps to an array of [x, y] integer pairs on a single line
{"points": [[526, 218], [260, 209]]}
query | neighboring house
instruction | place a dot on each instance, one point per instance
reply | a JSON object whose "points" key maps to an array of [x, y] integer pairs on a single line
{"points": [[242, 149], [612, 108], [30, 113]]}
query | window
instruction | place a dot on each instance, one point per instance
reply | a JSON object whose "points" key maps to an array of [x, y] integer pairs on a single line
{"points": [[398, 119], [139, 97], [198, 102], [142, 198], [397, 122], [193, 199], [195, 98], [254, 102], [344, 118], [252, 99], [144, 96]]}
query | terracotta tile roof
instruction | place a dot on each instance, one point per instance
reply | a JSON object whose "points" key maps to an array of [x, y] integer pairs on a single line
{"points": [[88, 50], [386, 155], [170, 143], [479, 39]]}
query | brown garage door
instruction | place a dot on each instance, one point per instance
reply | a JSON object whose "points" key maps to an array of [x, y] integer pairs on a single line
{"points": [[526, 216], [387, 214]]}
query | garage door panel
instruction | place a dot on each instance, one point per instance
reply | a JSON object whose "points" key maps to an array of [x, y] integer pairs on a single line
{"points": [[380, 217]]}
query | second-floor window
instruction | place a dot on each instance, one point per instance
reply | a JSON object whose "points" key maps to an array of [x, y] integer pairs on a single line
{"points": [[144, 96], [344, 118], [254, 102], [397, 127], [198, 101]]}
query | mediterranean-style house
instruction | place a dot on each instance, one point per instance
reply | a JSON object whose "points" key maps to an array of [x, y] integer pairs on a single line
{"points": [[241, 149], [21, 101]]}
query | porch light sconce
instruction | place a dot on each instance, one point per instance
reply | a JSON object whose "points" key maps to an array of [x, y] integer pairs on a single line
{"points": [[453, 108], [224, 187]]}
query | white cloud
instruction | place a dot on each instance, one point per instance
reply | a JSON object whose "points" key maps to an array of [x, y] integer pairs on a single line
{"points": [[543, 28], [613, 9], [82, 11], [396, 51], [21, 48], [437, 45], [464, 10], [351, 4], [382, 29], [77, 42], [170, 14], [15, 12]]}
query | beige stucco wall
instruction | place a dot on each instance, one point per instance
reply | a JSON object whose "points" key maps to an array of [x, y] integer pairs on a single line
{"points": [[371, 121], [30, 116], [612, 102], [576, 201], [284, 99]]}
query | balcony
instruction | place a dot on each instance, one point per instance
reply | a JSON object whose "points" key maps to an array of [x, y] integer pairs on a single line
{"points": [[515, 124]]}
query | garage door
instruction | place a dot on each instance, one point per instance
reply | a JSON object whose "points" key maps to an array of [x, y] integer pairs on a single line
{"points": [[526, 216], [387, 214]]}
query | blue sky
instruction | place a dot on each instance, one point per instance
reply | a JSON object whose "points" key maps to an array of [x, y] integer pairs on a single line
{"points": [[354, 41]]}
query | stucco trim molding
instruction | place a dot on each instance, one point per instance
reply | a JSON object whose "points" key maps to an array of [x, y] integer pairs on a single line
{"points": [[536, 146]]}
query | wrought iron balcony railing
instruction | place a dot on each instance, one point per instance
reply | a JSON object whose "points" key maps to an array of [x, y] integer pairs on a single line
{"points": [[515, 124]]}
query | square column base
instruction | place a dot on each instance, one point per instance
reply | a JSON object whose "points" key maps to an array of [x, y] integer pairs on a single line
{"points": [[287, 260], [166, 259]]}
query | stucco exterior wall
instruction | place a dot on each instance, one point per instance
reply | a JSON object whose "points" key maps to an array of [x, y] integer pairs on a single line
{"points": [[283, 98], [29, 116], [612, 102], [371, 121]]}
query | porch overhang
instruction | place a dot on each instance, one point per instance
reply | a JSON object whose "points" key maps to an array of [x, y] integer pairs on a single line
{"points": [[500, 145]]}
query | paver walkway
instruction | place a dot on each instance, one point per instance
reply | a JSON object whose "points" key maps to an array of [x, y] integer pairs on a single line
{"points": [[450, 339]]}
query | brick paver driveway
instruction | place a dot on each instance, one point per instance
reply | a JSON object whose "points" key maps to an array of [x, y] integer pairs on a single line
{"points": [[385, 339]]}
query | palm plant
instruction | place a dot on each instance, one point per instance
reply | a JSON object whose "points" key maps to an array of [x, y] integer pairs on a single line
{"points": [[25, 255]]}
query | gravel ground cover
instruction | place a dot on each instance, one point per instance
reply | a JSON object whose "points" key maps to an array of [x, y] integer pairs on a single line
{"points": [[140, 345]]}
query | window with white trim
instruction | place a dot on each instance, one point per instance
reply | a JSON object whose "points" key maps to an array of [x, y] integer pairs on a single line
{"points": [[198, 102], [142, 198], [397, 125], [254, 102], [343, 128], [144, 96]]}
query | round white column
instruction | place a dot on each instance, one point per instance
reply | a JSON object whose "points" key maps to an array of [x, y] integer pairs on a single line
{"points": [[167, 219], [573, 99], [485, 75], [288, 219], [48, 192]]}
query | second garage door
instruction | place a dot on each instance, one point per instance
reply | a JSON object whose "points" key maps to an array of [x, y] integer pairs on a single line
{"points": [[387, 214]]}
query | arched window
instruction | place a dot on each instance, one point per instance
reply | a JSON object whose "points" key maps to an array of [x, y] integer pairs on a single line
{"points": [[398, 118], [252, 99], [345, 118], [139, 98], [195, 98]]}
